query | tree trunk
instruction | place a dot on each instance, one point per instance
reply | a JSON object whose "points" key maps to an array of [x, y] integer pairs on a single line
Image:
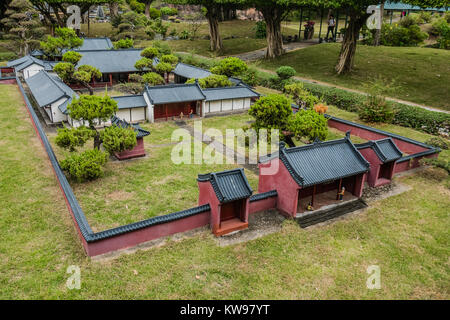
{"points": [[376, 39], [97, 141], [273, 17], [147, 8], [113, 9], [212, 15], [348, 48]]}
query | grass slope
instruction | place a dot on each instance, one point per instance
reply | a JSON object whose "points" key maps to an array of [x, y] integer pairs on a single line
{"points": [[423, 74], [406, 235]]}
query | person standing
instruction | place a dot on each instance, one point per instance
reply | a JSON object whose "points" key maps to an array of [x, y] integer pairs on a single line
{"points": [[331, 25]]}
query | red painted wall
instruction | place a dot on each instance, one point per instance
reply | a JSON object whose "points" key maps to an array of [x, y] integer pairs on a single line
{"points": [[264, 204], [134, 238], [137, 151], [206, 195], [375, 164], [404, 146], [285, 185], [7, 81], [411, 164]]}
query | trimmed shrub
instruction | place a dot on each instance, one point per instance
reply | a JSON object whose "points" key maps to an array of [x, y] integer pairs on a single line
{"points": [[167, 11], [285, 72], [230, 67], [271, 112], [152, 79], [418, 118], [117, 139], [71, 138], [154, 13], [404, 115], [85, 166], [169, 58], [308, 124], [301, 96], [124, 44], [212, 81], [150, 52], [130, 87], [134, 77]]}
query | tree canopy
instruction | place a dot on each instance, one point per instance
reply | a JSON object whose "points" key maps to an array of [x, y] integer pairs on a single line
{"points": [[22, 26], [230, 67], [212, 81]]}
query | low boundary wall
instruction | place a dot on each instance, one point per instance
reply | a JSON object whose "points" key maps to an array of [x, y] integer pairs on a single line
{"points": [[416, 150], [135, 233]]}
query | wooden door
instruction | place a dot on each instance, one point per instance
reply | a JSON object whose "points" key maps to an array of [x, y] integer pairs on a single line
{"points": [[231, 210]]}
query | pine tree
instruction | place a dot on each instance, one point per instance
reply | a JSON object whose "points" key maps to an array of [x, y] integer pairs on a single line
{"points": [[23, 26]]}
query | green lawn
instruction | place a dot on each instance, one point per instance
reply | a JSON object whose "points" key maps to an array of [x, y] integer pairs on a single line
{"points": [[139, 189], [406, 235], [422, 74]]}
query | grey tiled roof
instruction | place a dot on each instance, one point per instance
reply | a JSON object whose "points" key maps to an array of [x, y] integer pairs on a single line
{"points": [[96, 44], [111, 61], [140, 133], [26, 61], [188, 71], [323, 161], [385, 149], [229, 93], [48, 88], [133, 101], [174, 93], [228, 185]]}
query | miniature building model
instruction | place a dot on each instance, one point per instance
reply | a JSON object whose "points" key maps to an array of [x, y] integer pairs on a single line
{"points": [[228, 194], [29, 65], [51, 94], [305, 172], [382, 156], [170, 100], [138, 150]]}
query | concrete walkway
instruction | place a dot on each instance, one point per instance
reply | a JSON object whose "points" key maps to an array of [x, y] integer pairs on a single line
{"points": [[261, 53], [331, 85], [220, 147], [248, 56]]}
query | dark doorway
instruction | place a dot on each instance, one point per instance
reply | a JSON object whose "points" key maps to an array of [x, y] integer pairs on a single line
{"points": [[385, 171], [231, 210]]}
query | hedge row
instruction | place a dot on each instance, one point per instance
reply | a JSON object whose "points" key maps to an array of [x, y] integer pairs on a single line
{"points": [[405, 115]]}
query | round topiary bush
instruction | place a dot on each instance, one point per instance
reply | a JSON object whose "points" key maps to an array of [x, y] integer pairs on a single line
{"points": [[285, 72]]}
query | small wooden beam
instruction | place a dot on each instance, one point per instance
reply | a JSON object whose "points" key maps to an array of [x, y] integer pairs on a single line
{"points": [[339, 189], [313, 194]]}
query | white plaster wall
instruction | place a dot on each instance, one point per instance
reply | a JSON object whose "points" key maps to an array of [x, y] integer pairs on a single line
{"points": [[150, 114], [238, 104], [123, 114], [214, 106], [138, 114], [58, 116], [227, 105], [31, 70], [247, 103]]}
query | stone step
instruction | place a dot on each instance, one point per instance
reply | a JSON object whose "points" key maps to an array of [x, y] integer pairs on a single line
{"points": [[321, 215]]}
